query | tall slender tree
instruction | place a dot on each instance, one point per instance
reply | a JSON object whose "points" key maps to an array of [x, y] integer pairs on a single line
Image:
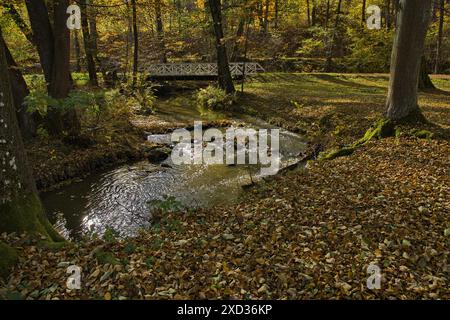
{"points": [[160, 30], [43, 35], [308, 12], [388, 16], [331, 47], [88, 44], [77, 47], [224, 74], [266, 16], [327, 14], [363, 12], [277, 13], [412, 25], [135, 42]]}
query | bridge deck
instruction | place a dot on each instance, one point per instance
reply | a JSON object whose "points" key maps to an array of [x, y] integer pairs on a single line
{"points": [[198, 71]]}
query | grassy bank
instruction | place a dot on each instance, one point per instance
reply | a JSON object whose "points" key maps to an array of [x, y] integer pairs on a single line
{"points": [[338, 107]]}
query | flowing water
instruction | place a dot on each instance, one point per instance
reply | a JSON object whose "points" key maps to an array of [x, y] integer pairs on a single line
{"points": [[121, 199]]}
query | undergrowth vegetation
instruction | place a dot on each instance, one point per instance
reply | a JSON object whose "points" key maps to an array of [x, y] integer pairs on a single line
{"points": [[214, 98]]}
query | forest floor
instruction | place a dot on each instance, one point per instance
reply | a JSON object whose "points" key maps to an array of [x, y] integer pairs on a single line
{"points": [[307, 234]]}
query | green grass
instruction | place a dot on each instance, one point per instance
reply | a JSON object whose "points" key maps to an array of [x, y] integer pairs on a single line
{"points": [[346, 104]]}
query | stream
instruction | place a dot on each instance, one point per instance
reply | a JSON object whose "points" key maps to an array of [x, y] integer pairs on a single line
{"points": [[121, 199]]}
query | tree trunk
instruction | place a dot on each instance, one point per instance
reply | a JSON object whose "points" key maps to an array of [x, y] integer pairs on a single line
{"points": [[129, 39], [440, 33], [53, 46], [61, 81], [224, 74], [277, 12], [136, 43], [235, 55], [260, 13], [388, 15], [424, 78], [43, 35], [88, 45], [77, 48], [20, 207], [327, 14], [266, 17], [20, 91], [329, 61], [395, 9], [160, 31], [12, 11], [314, 13], [92, 17], [363, 12], [412, 25], [308, 12]]}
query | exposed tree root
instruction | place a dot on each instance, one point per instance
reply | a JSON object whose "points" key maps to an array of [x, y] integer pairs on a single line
{"points": [[383, 128]]}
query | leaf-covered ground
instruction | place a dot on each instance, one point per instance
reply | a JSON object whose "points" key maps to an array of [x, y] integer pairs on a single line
{"points": [[308, 234]]}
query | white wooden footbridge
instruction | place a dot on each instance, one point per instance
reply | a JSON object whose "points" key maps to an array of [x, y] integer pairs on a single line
{"points": [[198, 71]]}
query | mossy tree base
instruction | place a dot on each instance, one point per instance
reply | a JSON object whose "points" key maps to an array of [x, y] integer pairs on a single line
{"points": [[26, 214], [8, 258], [383, 128]]}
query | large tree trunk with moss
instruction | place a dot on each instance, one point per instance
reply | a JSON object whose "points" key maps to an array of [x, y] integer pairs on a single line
{"points": [[412, 24], [223, 68], [20, 207]]}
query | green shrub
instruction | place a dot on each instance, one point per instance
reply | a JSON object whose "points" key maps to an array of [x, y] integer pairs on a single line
{"points": [[110, 235], [145, 98], [167, 205], [214, 98]]}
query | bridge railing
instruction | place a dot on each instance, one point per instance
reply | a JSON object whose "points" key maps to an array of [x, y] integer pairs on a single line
{"points": [[202, 69]]}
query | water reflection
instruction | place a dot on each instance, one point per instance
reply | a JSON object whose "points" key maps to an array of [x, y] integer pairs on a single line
{"points": [[119, 199]]}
